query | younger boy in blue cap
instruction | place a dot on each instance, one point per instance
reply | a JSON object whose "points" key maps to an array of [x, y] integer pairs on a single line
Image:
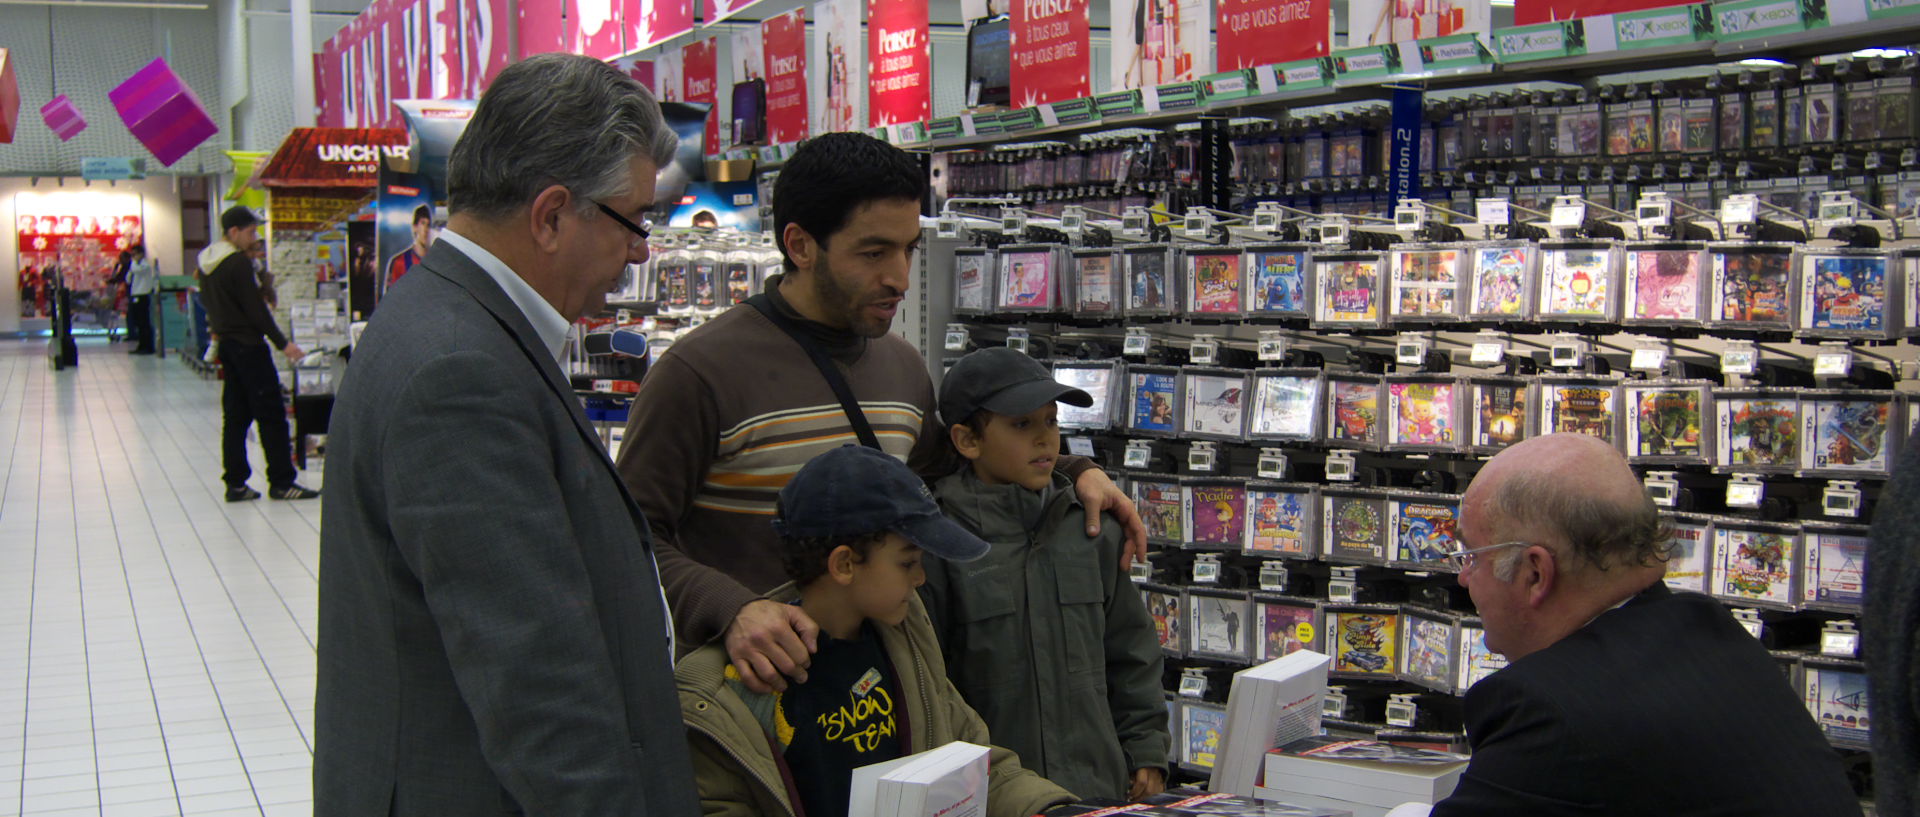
{"points": [[855, 523], [1045, 636]]}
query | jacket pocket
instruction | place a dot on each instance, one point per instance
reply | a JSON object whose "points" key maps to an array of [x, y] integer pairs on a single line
{"points": [[1083, 617], [985, 594]]}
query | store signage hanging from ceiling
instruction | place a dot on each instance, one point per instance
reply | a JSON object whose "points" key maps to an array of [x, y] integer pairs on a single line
{"points": [[1529, 12], [543, 27], [63, 117], [1264, 32], [836, 57], [652, 22], [333, 157], [1052, 59], [699, 69], [162, 112], [899, 62], [784, 46]]}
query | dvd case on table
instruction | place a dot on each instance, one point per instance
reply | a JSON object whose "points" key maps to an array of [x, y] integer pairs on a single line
{"points": [[1836, 694], [1759, 430], [1427, 284], [1154, 400], [1101, 380], [1849, 433], [1286, 405], [1030, 278], [1216, 509], [1282, 520], [1150, 281], [1580, 406], [1222, 625], [1423, 413], [1666, 284], [1097, 284], [974, 271], [1670, 422], [1500, 413], [1353, 526], [1425, 528], [1286, 625], [1166, 605], [1203, 727], [1752, 287], [1474, 661], [1690, 552], [1349, 288], [1363, 640], [1580, 282], [1216, 404], [1427, 645], [1756, 563], [1834, 575], [1353, 411], [1502, 284], [1279, 281], [1215, 283], [1845, 293], [1162, 506]]}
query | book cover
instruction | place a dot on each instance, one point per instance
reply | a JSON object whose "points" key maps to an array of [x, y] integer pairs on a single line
{"points": [[1666, 423], [1029, 280], [1216, 283], [1164, 608], [1279, 282], [1502, 412], [1277, 521], [1189, 801], [1215, 404], [1760, 432], [1283, 406], [1147, 280], [1219, 625], [1097, 382], [1499, 280], [1355, 531], [1328, 747], [1163, 509], [1425, 531], [1666, 285], [1846, 293], [1849, 434], [1583, 410], [1364, 642], [1219, 515], [1349, 291], [1838, 700], [1427, 283], [1836, 568], [1153, 401], [1356, 411], [1753, 287], [1286, 629], [1429, 652], [1754, 565], [1576, 283], [1423, 413], [1203, 727], [1687, 557], [1094, 289], [1268, 705], [949, 781]]}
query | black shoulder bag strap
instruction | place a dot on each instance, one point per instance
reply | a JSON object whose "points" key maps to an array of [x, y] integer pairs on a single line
{"points": [[855, 416]]}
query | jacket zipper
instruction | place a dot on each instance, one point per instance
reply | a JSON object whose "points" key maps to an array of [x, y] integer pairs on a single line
{"points": [[1026, 584], [738, 758]]}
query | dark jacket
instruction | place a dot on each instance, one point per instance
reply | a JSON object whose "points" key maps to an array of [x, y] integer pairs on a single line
{"points": [[492, 635], [730, 728], [236, 310], [1890, 627], [1663, 706], [1047, 637]]}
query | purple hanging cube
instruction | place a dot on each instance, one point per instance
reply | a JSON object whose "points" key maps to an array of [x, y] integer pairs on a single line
{"points": [[63, 117], [162, 112]]}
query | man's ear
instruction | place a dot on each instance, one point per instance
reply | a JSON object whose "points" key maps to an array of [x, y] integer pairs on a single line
{"points": [[964, 440], [1538, 568], [801, 248], [840, 565], [543, 216]]}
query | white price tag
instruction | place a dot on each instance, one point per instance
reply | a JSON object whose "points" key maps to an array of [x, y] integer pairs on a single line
{"points": [[1273, 577], [1272, 464], [1272, 349], [1740, 210], [1193, 686], [1738, 361], [1137, 456], [956, 341], [1201, 458], [1204, 352], [1649, 360], [946, 227], [1080, 446], [1569, 216], [1410, 353], [1832, 364], [1206, 571], [1488, 353], [1134, 345], [1334, 705], [1141, 571], [1743, 494], [1400, 713], [1493, 211], [1840, 643], [1753, 626]]}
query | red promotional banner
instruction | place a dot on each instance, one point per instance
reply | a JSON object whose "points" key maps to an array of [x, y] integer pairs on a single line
{"points": [[1050, 54], [1529, 12], [784, 39], [403, 49], [543, 27], [652, 22], [596, 28], [326, 85], [443, 47], [1264, 32], [483, 43], [899, 64], [641, 71], [698, 67]]}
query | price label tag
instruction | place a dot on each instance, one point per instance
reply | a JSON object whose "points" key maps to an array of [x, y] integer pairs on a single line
{"points": [[623, 316], [1739, 361], [1141, 571], [1840, 643], [1272, 464], [1569, 216], [1740, 210], [1340, 466], [946, 227], [1745, 494], [1649, 359], [1206, 571], [1400, 713], [1080, 446], [1832, 364], [1273, 576], [1137, 457], [1749, 620], [1273, 349], [1334, 705], [1909, 156], [1017, 343], [1134, 345], [1410, 353], [1488, 353], [1201, 458], [1204, 352], [1193, 685], [1874, 160], [956, 340]]}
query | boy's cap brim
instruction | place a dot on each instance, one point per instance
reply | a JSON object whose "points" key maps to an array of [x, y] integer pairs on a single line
{"points": [[942, 537], [1026, 398]]}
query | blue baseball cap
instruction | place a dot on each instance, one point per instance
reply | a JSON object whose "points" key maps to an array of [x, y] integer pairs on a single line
{"points": [[855, 490]]}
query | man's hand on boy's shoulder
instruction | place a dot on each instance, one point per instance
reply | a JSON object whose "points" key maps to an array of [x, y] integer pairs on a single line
{"points": [[769, 642], [1098, 493]]}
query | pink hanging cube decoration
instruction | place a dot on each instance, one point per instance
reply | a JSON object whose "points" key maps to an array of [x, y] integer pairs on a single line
{"points": [[9, 97], [63, 117], [162, 112]]}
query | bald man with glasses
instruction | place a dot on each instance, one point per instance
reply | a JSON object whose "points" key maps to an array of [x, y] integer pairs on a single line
{"points": [[1623, 697]]}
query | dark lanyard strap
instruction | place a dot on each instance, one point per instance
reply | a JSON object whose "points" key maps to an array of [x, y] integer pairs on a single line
{"points": [[855, 416]]}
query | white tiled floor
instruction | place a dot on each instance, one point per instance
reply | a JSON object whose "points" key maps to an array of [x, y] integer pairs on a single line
{"points": [[156, 643]]}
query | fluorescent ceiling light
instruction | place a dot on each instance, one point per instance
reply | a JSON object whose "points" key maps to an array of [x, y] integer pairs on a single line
{"points": [[1764, 62], [1888, 53]]}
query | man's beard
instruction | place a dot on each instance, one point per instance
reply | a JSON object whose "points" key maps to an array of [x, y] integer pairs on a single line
{"points": [[842, 306]]}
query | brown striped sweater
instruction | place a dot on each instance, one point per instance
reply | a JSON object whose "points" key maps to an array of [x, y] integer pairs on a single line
{"points": [[726, 416]]}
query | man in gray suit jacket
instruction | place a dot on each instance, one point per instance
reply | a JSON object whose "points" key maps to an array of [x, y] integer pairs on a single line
{"points": [[493, 637]]}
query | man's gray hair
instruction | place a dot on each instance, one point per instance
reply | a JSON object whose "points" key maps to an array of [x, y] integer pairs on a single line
{"points": [[1601, 533], [555, 119]]}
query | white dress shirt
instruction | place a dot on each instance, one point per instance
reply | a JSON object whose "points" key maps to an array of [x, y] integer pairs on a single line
{"points": [[547, 321]]}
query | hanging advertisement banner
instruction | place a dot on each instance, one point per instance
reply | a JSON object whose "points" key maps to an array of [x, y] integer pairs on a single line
{"points": [[404, 33], [836, 58], [669, 77], [483, 43], [443, 46], [326, 84], [1404, 163], [745, 61], [596, 28], [1264, 32], [1529, 12], [784, 39], [1051, 54], [1160, 41], [652, 22], [699, 68], [382, 38], [1379, 22], [642, 72], [718, 10], [543, 27], [899, 62]]}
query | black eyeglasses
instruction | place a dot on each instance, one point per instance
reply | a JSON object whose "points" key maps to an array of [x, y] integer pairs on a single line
{"points": [[641, 231]]}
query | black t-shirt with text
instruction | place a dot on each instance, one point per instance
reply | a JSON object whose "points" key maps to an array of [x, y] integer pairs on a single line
{"points": [[845, 716]]}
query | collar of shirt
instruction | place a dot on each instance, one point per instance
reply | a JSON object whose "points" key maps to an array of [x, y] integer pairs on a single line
{"points": [[547, 321]]}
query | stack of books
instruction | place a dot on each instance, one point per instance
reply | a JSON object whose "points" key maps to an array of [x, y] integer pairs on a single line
{"points": [[950, 781], [1368, 777]]}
